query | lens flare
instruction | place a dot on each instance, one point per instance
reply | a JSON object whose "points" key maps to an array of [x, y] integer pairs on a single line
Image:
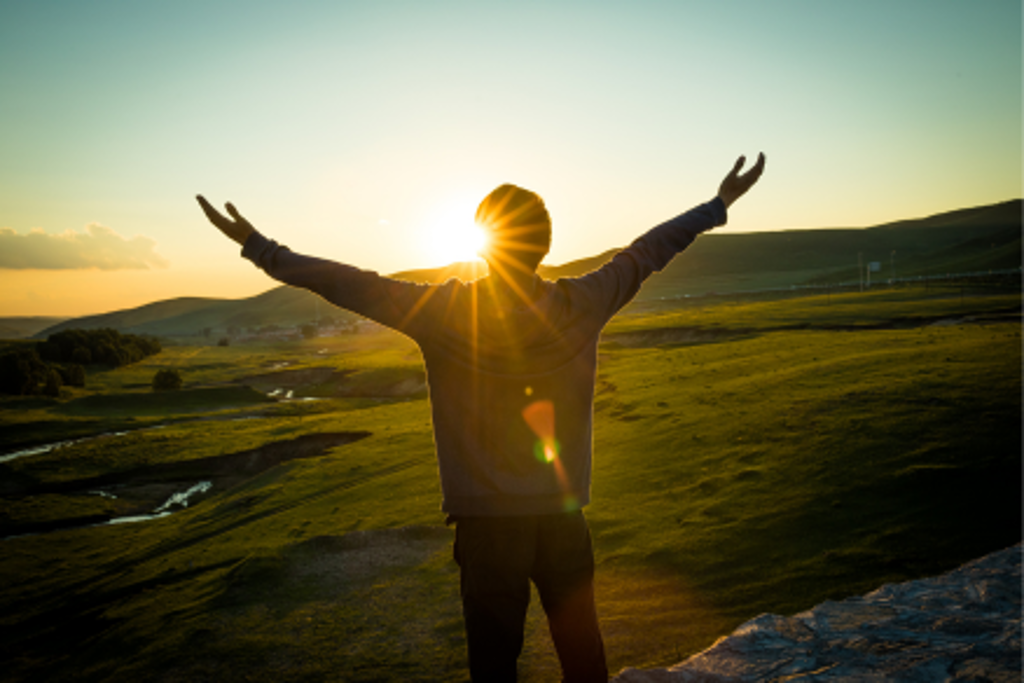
{"points": [[546, 450], [540, 416]]}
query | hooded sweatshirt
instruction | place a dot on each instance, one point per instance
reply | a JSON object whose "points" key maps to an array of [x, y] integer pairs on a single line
{"points": [[511, 381]]}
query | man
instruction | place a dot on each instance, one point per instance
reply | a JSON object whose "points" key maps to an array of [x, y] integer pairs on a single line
{"points": [[511, 362]]}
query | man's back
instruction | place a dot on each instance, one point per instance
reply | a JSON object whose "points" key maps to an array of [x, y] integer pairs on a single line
{"points": [[492, 351], [487, 363]]}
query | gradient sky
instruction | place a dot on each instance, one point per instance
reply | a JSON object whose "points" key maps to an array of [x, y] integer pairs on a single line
{"points": [[353, 129]]}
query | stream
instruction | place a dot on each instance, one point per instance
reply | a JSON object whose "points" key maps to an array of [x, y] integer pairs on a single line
{"points": [[279, 394], [178, 499], [46, 448], [222, 471]]}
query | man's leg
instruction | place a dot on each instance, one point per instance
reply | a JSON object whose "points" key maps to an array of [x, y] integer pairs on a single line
{"points": [[494, 556], [564, 575]]}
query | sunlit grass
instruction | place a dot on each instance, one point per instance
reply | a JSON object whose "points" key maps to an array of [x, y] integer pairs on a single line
{"points": [[764, 472], [901, 306]]}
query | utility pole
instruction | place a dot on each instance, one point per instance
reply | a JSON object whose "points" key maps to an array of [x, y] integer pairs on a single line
{"points": [[860, 269]]}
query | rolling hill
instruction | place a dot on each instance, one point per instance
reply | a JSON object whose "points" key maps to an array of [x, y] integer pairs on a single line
{"points": [[26, 326], [967, 240]]}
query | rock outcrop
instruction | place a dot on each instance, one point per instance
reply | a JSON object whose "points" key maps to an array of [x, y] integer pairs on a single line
{"points": [[961, 626]]}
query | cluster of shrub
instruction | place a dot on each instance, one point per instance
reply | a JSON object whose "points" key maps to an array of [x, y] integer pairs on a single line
{"points": [[44, 367], [167, 379]]}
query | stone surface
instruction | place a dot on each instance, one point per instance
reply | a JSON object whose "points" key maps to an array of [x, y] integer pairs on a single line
{"points": [[961, 626]]}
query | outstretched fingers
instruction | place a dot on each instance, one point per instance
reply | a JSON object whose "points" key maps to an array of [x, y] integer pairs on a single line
{"points": [[738, 166], [755, 171], [747, 180], [211, 213], [735, 185], [234, 213], [238, 229]]}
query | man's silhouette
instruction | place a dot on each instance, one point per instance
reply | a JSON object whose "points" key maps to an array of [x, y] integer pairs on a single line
{"points": [[511, 361]]}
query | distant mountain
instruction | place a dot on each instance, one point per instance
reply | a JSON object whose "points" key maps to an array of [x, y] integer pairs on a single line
{"points": [[22, 327], [967, 240], [283, 306]]}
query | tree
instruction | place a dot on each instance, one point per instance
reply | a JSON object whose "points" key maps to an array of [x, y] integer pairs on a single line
{"points": [[72, 374], [53, 383], [167, 379], [308, 330], [49, 351], [21, 372], [106, 346], [223, 341]]}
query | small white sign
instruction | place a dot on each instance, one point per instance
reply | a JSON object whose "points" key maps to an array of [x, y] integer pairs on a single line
{"points": [[875, 266]]}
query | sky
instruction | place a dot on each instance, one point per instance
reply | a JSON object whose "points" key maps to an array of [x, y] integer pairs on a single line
{"points": [[367, 132]]}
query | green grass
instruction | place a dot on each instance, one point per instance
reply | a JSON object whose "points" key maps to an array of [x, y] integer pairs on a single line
{"points": [[162, 403], [899, 307], [816, 455]]}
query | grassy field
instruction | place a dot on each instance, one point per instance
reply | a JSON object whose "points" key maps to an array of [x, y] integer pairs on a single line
{"points": [[748, 458]]}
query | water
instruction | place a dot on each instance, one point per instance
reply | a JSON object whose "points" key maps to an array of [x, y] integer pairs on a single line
{"points": [[130, 519], [46, 448], [286, 395], [179, 499], [35, 450]]}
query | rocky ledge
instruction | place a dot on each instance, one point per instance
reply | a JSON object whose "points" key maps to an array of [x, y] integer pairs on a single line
{"points": [[961, 626]]}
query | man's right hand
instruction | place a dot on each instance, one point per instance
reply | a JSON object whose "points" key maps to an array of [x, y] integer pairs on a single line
{"points": [[735, 185], [238, 229]]}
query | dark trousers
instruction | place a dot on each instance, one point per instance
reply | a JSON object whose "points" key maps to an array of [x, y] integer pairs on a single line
{"points": [[498, 557]]}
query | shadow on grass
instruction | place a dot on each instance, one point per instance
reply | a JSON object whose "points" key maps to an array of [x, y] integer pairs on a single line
{"points": [[368, 605]]}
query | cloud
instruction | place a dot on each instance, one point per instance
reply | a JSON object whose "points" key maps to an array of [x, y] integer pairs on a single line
{"points": [[97, 247]]}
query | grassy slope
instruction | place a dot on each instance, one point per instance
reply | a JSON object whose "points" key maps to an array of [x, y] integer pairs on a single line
{"points": [[765, 472], [786, 469]]}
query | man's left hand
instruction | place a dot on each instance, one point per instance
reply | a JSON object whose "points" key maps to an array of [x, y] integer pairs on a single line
{"points": [[238, 229]]}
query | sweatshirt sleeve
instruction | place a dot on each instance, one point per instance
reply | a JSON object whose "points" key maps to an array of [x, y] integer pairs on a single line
{"points": [[394, 303], [614, 285]]}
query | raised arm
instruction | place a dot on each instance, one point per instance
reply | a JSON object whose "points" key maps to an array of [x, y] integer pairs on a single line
{"points": [[616, 283], [398, 304]]}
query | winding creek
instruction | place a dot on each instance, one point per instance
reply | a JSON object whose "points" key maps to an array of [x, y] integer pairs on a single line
{"points": [[279, 394], [222, 472], [46, 448], [178, 499]]}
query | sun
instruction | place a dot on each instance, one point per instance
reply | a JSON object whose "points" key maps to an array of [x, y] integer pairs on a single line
{"points": [[451, 235]]}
